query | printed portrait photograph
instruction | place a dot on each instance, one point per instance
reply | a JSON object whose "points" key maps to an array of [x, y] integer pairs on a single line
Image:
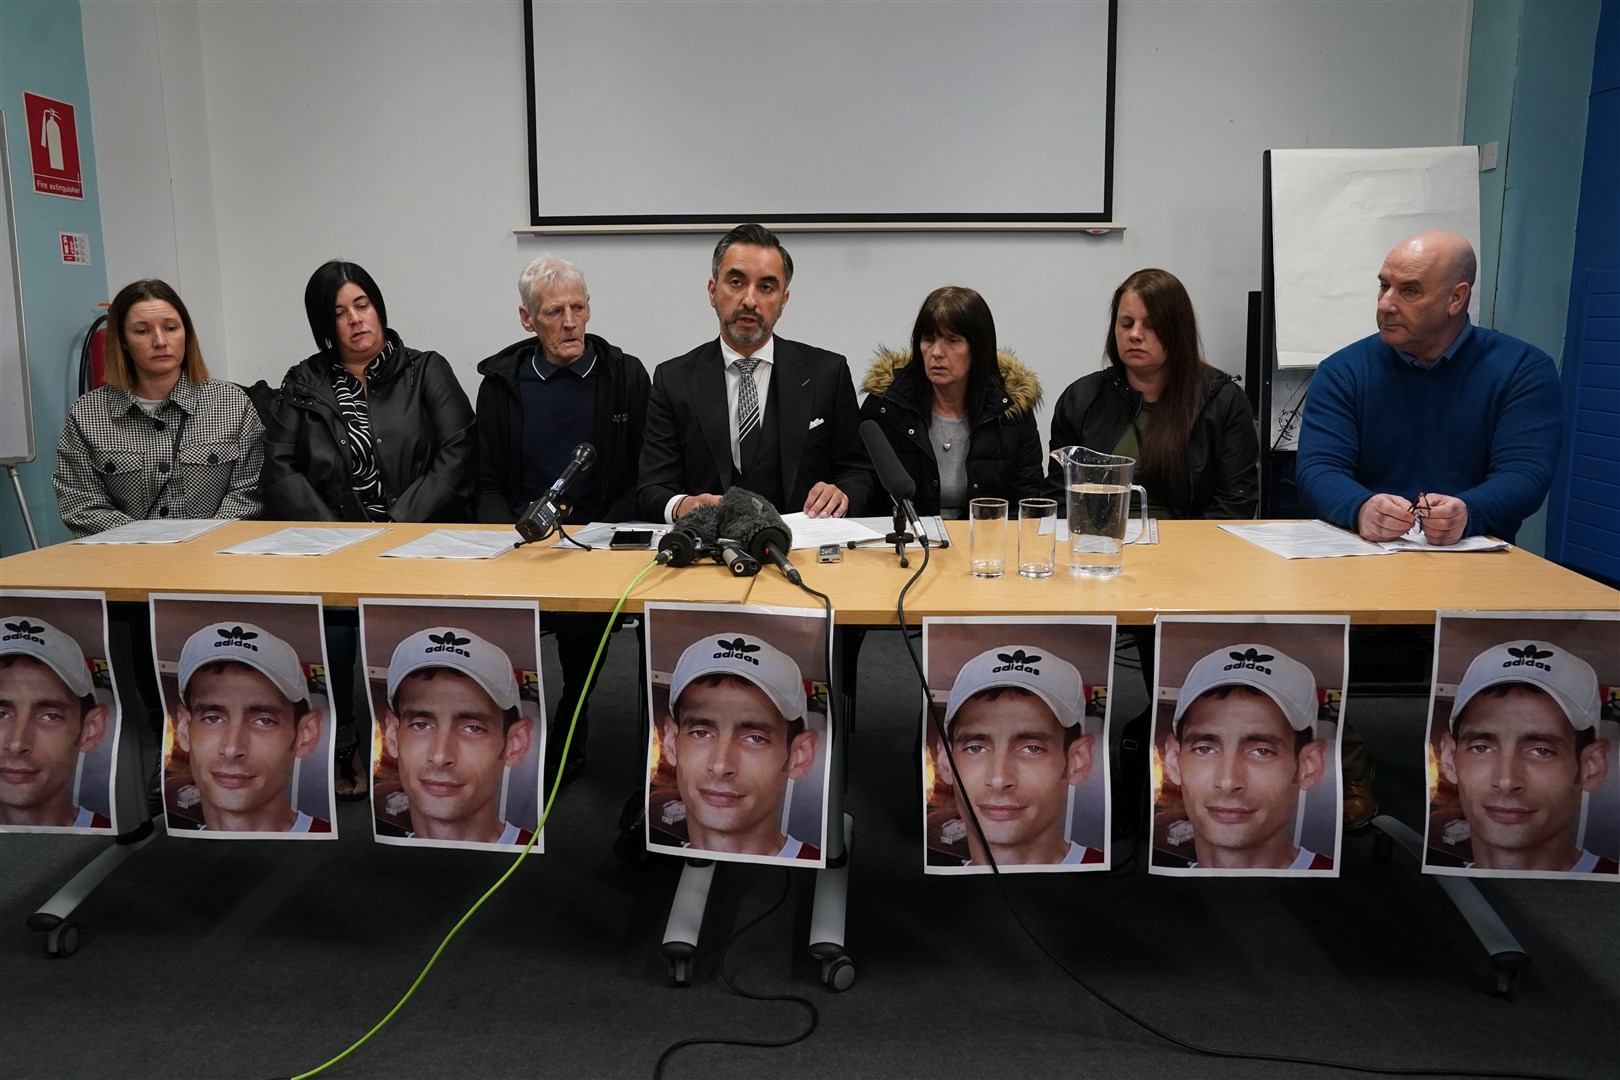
{"points": [[1248, 720], [59, 715], [739, 738], [1015, 737], [1521, 754], [458, 722], [248, 733]]}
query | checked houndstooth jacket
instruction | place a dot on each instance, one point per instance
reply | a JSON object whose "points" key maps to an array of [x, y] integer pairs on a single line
{"points": [[198, 456]]}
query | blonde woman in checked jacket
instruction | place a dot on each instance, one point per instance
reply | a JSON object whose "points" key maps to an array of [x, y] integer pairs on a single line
{"points": [[161, 439]]}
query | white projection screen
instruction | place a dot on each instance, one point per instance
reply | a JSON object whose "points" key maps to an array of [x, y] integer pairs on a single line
{"points": [[670, 112]]}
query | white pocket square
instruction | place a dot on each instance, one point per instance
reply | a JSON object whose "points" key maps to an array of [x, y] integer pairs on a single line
{"points": [[817, 422]]}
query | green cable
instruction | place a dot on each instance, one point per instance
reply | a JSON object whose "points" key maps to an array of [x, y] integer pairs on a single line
{"points": [[556, 786]]}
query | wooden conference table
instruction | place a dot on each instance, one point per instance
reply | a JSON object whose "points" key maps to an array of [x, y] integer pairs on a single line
{"points": [[1195, 568]]}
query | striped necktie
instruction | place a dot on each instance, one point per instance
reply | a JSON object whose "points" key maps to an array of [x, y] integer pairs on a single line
{"points": [[749, 429]]}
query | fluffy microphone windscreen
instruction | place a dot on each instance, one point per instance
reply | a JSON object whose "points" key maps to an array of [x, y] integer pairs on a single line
{"points": [[752, 521]]}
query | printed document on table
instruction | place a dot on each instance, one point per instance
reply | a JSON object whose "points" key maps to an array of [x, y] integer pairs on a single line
{"points": [[809, 532], [457, 544], [301, 540], [1414, 540], [156, 531], [1305, 540]]}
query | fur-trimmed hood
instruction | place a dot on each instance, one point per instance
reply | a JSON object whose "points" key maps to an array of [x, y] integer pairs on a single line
{"points": [[1017, 380]]}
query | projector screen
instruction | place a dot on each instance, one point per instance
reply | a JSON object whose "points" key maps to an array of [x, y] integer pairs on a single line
{"points": [[667, 112]]}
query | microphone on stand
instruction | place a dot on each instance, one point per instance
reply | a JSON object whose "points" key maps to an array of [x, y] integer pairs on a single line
{"points": [[894, 478], [540, 519], [760, 528]]}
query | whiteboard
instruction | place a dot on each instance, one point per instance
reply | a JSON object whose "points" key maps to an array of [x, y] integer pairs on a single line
{"points": [[1335, 214], [16, 407], [803, 111]]}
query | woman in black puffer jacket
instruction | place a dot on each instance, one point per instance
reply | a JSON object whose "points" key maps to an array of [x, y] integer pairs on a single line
{"points": [[959, 414]]}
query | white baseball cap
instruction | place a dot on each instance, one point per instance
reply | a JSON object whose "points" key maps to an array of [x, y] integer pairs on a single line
{"points": [[1025, 667], [459, 650], [23, 635], [749, 658], [1566, 678], [1271, 671], [245, 643]]}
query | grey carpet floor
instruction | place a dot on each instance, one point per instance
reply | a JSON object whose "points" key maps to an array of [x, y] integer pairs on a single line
{"points": [[259, 960]]}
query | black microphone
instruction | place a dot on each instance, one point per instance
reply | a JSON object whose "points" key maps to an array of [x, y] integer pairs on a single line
{"points": [[753, 520], [737, 560], [540, 519], [892, 475], [692, 538]]}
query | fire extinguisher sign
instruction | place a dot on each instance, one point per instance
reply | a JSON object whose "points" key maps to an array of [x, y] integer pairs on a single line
{"points": [[53, 146]]}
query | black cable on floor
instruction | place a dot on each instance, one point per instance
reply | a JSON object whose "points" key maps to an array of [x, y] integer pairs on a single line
{"points": [[725, 977], [1191, 1047]]}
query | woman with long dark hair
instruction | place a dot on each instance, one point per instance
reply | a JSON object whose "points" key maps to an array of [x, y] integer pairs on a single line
{"points": [[1187, 424], [959, 413]]}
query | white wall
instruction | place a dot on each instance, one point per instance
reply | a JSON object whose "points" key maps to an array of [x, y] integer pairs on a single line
{"points": [[394, 134]]}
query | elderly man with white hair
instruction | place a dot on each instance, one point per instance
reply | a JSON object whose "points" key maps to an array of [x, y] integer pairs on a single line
{"points": [[541, 397]]}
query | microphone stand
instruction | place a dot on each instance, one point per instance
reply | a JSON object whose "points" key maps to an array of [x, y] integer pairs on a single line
{"points": [[563, 510], [899, 537]]}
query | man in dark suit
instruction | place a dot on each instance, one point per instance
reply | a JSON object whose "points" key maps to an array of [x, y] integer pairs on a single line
{"points": [[750, 409]]}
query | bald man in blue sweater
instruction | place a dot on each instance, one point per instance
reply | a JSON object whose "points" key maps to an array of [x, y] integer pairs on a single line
{"points": [[1431, 406]]}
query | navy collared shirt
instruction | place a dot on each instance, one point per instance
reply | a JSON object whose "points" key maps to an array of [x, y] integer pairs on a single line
{"points": [[559, 413]]}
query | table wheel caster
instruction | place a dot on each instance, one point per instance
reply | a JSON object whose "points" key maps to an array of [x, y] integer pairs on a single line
{"points": [[1509, 966], [62, 940], [680, 971], [1507, 984], [838, 973]]}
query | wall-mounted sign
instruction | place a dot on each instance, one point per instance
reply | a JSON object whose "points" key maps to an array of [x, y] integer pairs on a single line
{"points": [[53, 147], [75, 248]]}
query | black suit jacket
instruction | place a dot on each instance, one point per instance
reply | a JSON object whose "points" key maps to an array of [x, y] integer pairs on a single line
{"points": [[687, 449]]}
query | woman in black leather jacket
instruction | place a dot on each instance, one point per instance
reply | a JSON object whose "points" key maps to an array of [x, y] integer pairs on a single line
{"points": [[367, 429], [1187, 424]]}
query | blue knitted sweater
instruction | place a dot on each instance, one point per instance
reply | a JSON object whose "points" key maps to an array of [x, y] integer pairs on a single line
{"points": [[1482, 425]]}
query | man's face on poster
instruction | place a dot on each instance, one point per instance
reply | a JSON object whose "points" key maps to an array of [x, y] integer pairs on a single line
{"points": [[733, 755], [1016, 767], [43, 730], [453, 745], [243, 737], [1240, 776], [1520, 777]]}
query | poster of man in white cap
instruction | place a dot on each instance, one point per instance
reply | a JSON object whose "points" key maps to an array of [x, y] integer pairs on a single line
{"points": [[59, 713], [1521, 752], [737, 758], [1246, 745], [1023, 703], [247, 747], [459, 724]]}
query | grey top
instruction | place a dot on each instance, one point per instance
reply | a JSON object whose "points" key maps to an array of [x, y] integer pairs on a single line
{"points": [[950, 439]]}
